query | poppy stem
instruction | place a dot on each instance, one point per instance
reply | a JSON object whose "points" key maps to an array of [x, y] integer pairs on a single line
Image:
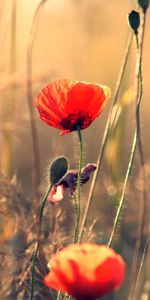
{"points": [[143, 203], [136, 140], [41, 210], [105, 135], [74, 198], [78, 185]]}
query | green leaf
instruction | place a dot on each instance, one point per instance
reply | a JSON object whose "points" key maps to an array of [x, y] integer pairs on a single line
{"points": [[58, 168]]}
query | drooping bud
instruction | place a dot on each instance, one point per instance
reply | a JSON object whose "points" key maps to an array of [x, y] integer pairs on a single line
{"points": [[134, 20], [68, 181], [144, 4], [58, 169]]}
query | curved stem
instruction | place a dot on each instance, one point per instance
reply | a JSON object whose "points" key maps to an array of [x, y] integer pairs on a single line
{"points": [[142, 262], [105, 135], [6, 159], [77, 204], [34, 134], [121, 203], [41, 210], [138, 123], [138, 97], [142, 209]]}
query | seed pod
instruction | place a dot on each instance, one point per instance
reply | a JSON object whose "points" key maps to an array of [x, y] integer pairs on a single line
{"points": [[144, 4], [134, 20]]}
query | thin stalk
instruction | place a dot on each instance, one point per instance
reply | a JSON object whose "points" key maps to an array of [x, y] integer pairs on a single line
{"points": [[77, 204], [13, 37], [138, 97], [7, 143], [60, 295], [142, 208], [41, 211], [141, 263], [121, 202], [34, 134], [140, 146], [106, 133], [35, 144]]}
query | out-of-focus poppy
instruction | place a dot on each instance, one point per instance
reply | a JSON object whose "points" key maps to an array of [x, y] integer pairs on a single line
{"points": [[69, 181], [86, 271], [67, 104]]}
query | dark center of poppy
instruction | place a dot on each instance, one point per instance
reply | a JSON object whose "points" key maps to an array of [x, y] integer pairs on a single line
{"points": [[76, 120]]}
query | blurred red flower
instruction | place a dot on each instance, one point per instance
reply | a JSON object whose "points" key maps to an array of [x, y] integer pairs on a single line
{"points": [[86, 271], [66, 104]]}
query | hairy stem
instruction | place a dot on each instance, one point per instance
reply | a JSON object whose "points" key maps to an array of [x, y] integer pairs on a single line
{"points": [[77, 204], [41, 211]]}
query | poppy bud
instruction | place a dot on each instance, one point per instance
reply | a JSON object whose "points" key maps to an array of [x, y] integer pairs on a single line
{"points": [[134, 20], [69, 180], [144, 4], [58, 168]]}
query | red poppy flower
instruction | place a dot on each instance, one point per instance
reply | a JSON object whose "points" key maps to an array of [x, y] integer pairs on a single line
{"points": [[66, 104], [86, 271]]}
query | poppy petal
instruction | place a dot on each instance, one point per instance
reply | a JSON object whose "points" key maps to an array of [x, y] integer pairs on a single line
{"points": [[102, 94], [79, 97], [92, 271], [66, 104]]}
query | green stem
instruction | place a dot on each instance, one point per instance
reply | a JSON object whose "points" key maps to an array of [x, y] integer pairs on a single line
{"points": [[75, 204], [136, 139], [121, 202], [78, 186], [60, 295], [143, 202], [142, 262], [41, 210], [105, 135]]}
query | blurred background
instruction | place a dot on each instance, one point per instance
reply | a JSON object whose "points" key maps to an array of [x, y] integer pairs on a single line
{"points": [[74, 39]]}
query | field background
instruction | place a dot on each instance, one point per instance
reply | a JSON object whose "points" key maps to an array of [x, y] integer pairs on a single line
{"points": [[83, 40]]}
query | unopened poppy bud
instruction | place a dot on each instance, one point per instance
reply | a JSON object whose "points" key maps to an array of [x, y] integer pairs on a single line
{"points": [[68, 181], [58, 169], [144, 4], [134, 20]]}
